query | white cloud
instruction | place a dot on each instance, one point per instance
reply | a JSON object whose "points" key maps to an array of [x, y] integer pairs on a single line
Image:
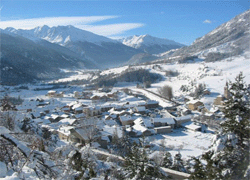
{"points": [[110, 29], [52, 21], [82, 22], [207, 21]]}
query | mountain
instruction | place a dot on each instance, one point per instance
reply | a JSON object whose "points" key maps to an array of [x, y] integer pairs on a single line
{"points": [[101, 51], [23, 60], [150, 44], [229, 39]]}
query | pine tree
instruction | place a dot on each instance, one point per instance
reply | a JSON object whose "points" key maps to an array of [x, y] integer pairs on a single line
{"points": [[167, 160], [228, 158], [178, 163], [199, 170], [237, 110]]}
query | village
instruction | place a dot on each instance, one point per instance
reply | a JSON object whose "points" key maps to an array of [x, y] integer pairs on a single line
{"points": [[96, 116]]}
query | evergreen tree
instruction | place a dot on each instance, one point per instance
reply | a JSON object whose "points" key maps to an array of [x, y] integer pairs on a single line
{"points": [[178, 164], [167, 160], [138, 165], [237, 110], [228, 158], [199, 170]]}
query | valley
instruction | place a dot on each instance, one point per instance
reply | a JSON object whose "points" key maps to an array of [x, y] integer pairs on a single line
{"points": [[76, 105]]}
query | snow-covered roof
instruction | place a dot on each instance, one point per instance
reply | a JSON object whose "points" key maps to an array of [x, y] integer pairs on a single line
{"points": [[163, 127], [110, 131], [110, 122], [4, 130], [126, 118], [51, 91], [183, 118], [194, 102], [152, 102], [145, 121], [164, 120], [140, 108], [65, 130], [139, 127], [68, 121], [191, 125]]}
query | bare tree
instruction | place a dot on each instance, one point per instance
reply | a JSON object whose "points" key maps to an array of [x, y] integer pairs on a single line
{"points": [[166, 91]]}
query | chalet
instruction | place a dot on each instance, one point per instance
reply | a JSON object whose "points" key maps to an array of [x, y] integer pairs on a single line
{"points": [[150, 104], [140, 109], [163, 129], [84, 134], [66, 109], [126, 120], [194, 105], [141, 127], [144, 121], [163, 122], [64, 133], [166, 114], [141, 130], [206, 92], [54, 94], [77, 95], [86, 95], [92, 111], [219, 101], [191, 126], [182, 119]]}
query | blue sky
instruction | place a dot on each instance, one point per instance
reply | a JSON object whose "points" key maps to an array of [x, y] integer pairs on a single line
{"points": [[182, 21]]}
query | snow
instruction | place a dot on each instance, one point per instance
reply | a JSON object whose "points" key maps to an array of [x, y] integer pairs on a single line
{"points": [[188, 143], [147, 40], [4, 130], [190, 125], [19, 144], [3, 169], [164, 120]]}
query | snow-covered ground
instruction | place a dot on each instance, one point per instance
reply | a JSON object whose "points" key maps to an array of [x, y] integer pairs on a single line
{"points": [[187, 142]]}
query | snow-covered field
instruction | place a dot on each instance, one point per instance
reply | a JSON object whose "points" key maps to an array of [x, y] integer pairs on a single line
{"points": [[187, 142]]}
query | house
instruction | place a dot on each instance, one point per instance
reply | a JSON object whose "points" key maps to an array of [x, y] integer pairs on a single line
{"points": [[77, 95], [64, 132], [86, 95], [163, 129], [191, 126], [182, 119], [54, 94], [144, 121], [111, 131], [99, 98], [84, 134], [163, 122], [66, 109], [219, 101], [51, 93], [140, 109], [206, 92], [92, 111], [166, 114], [194, 105], [141, 130], [151, 104], [126, 120]]}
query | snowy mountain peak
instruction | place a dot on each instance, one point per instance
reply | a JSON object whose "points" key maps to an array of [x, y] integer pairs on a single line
{"points": [[61, 34], [137, 41]]}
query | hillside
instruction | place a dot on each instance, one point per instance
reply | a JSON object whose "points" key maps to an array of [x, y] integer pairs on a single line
{"points": [[150, 44], [23, 60], [101, 51], [229, 39]]}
